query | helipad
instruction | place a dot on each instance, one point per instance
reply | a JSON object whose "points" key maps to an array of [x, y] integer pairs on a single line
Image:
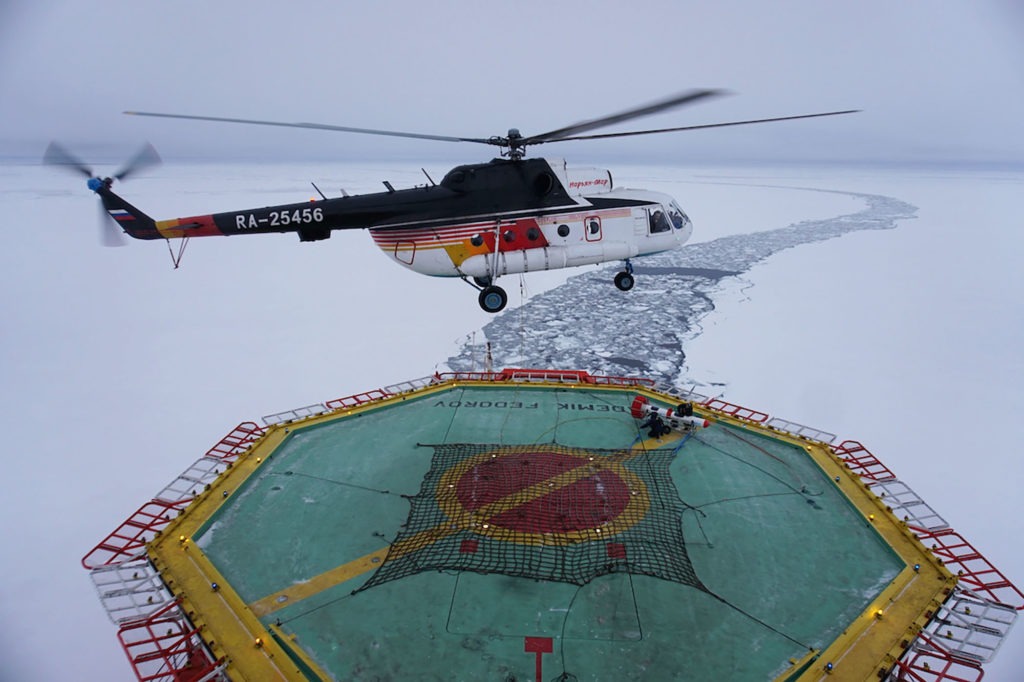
{"points": [[522, 525]]}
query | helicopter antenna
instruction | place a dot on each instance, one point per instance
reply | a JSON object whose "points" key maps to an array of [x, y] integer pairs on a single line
{"points": [[318, 190], [428, 177]]}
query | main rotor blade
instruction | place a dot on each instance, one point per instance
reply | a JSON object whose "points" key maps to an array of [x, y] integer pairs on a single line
{"points": [[314, 126], [698, 127], [143, 159], [673, 102], [55, 155]]}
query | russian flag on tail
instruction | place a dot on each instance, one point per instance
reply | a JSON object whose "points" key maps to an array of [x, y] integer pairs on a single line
{"points": [[120, 215]]}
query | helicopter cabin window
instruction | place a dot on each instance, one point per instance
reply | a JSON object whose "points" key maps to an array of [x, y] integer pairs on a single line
{"points": [[592, 226], [677, 216], [563, 230], [659, 223]]}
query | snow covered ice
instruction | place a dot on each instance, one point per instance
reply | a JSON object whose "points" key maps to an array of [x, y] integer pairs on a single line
{"points": [[643, 332]]}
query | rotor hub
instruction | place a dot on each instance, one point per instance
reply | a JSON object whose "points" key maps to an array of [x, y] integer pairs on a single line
{"points": [[96, 184]]}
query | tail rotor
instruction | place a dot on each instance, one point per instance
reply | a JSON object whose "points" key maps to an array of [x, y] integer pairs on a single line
{"points": [[110, 232]]}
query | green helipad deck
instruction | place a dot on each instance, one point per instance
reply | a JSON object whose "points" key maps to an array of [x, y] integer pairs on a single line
{"points": [[485, 529]]}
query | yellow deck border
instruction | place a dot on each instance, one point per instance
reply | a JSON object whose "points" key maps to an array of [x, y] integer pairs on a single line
{"points": [[233, 632]]}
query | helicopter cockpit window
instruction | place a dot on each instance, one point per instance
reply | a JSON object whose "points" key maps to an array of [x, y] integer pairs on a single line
{"points": [[659, 223], [676, 215]]}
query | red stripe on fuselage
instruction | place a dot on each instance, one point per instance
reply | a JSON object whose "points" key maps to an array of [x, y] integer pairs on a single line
{"points": [[514, 236], [195, 226]]}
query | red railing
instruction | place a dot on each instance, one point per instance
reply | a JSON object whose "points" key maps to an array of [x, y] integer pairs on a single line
{"points": [[166, 647], [736, 410], [975, 571], [357, 399], [930, 662], [467, 376], [510, 374], [862, 462], [233, 444], [573, 376], [129, 539]]}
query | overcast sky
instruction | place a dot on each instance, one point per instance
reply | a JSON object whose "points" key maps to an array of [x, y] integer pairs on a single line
{"points": [[938, 81]]}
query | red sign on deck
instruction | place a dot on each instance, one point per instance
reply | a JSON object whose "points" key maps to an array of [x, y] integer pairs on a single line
{"points": [[539, 646]]}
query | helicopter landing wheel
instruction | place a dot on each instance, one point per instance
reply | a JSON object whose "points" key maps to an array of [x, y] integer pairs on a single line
{"points": [[492, 299], [624, 281], [482, 281]]}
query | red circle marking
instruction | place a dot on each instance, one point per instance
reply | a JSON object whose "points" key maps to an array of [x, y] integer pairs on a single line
{"points": [[589, 501]]}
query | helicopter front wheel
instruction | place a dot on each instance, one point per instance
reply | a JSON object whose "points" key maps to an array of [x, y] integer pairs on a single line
{"points": [[493, 299], [624, 281]]}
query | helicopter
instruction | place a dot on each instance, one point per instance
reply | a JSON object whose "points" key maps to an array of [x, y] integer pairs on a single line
{"points": [[510, 215]]}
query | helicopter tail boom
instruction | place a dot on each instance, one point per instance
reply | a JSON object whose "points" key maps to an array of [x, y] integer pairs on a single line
{"points": [[140, 226], [130, 219]]}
